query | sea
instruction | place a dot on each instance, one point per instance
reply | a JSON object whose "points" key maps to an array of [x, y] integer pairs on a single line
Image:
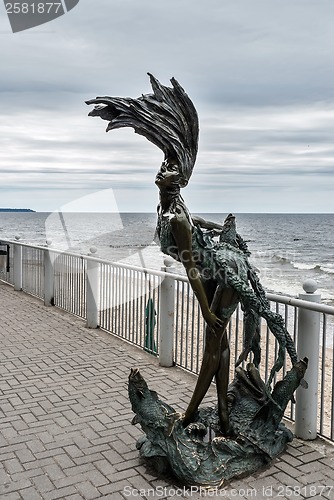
{"points": [[286, 249]]}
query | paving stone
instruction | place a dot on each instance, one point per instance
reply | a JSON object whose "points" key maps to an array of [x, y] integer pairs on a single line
{"points": [[128, 464], [114, 487], [43, 483], [14, 486], [54, 472], [87, 490], [291, 460], [96, 478], [73, 451], [60, 493], [312, 478], [64, 461], [87, 459], [123, 448], [27, 474], [25, 456], [39, 463], [328, 462], [13, 466], [30, 494], [104, 467], [70, 480], [288, 469], [35, 445], [11, 496], [123, 474], [139, 482], [310, 457], [285, 479], [311, 467], [114, 496], [112, 456]]}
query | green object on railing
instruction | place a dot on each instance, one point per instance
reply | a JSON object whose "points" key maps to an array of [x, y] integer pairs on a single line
{"points": [[150, 315]]}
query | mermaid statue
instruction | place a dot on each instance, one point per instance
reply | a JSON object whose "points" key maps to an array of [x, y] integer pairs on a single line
{"points": [[215, 257], [246, 423]]}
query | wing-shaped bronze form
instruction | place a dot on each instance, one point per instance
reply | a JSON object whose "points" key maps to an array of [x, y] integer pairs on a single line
{"points": [[167, 118]]}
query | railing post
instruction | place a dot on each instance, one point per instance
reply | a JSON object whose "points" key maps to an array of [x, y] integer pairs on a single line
{"points": [[17, 261], [92, 292], [48, 277], [167, 315], [308, 344]]}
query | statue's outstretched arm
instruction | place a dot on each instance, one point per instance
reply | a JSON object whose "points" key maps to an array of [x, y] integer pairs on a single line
{"points": [[206, 224]]}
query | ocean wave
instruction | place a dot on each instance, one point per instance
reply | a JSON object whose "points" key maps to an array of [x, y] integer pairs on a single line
{"points": [[304, 266], [313, 267], [325, 268], [281, 260], [134, 246]]}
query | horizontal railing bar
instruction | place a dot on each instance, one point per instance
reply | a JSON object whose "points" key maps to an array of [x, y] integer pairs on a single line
{"points": [[281, 299], [312, 306], [153, 272]]}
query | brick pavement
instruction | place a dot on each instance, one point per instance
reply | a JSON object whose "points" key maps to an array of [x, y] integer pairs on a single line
{"points": [[65, 417]]}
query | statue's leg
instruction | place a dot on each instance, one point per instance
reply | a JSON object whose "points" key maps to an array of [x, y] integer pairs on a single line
{"points": [[222, 377], [215, 360], [227, 302], [209, 367]]}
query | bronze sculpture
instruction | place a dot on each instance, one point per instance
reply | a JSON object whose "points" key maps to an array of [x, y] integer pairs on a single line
{"points": [[214, 256], [255, 416]]}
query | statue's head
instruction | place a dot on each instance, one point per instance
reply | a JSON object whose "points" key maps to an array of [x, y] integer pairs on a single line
{"points": [[170, 176]]}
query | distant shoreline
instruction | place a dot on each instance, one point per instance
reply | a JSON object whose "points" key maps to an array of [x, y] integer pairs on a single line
{"points": [[16, 210]]}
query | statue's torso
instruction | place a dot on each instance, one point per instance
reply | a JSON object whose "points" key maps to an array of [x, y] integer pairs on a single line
{"points": [[164, 231], [210, 257]]}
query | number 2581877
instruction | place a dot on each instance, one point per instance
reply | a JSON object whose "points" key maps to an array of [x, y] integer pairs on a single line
{"points": [[33, 7]]}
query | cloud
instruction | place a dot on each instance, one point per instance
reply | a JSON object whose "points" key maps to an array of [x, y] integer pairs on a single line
{"points": [[261, 79]]}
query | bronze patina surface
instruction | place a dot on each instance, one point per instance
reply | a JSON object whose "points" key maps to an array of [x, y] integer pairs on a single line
{"points": [[215, 258], [198, 454]]}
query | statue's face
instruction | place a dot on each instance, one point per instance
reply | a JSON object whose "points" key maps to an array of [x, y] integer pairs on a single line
{"points": [[168, 175]]}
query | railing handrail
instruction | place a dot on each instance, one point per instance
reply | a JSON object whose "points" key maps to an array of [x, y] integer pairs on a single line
{"points": [[281, 299], [304, 304], [130, 267]]}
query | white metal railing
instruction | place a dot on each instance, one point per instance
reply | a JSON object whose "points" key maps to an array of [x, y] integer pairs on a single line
{"points": [[157, 311]]}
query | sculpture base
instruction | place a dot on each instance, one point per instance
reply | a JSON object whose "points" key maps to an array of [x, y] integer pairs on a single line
{"points": [[198, 454], [228, 458]]}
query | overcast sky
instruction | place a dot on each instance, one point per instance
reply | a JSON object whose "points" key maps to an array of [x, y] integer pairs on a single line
{"points": [[260, 73]]}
